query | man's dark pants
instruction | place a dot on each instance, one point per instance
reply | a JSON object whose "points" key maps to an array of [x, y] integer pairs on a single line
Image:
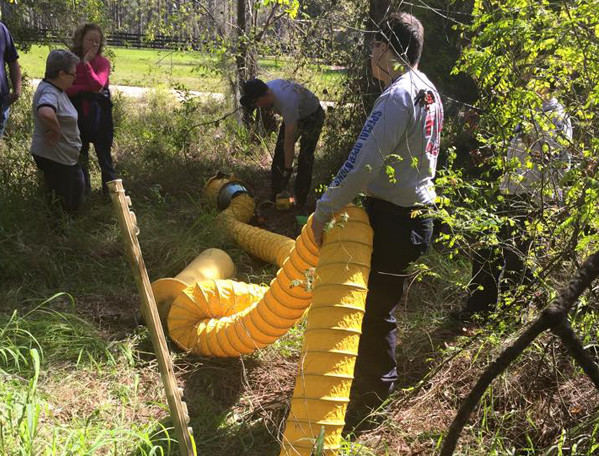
{"points": [[503, 266], [63, 181], [309, 129], [399, 239]]}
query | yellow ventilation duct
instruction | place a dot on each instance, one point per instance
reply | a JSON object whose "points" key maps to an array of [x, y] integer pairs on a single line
{"points": [[210, 264], [330, 347], [198, 323], [226, 318], [237, 206], [270, 247]]}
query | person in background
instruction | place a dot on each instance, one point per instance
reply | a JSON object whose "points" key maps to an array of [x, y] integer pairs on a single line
{"points": [[90, 95], [536, 162], [303, 119], [56, 143], [401, 137], [8, 57]]}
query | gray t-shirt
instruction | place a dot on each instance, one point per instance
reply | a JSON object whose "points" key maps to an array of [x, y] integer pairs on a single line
{"points": [[66, 151], [293, 101]]}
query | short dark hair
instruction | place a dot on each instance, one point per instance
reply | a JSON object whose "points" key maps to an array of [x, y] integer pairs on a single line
{"points": [[405, 34], [252, 90], [79, 35], [59, 60]]}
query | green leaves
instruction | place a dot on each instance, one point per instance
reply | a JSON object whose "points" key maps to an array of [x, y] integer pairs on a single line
{"points": [[522, 53], [291, 7]]}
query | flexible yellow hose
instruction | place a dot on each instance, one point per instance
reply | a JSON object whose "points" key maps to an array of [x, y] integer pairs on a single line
{"points": [[226, 318], [270, 247], [266, 314], [332, 336], [210, 264]]}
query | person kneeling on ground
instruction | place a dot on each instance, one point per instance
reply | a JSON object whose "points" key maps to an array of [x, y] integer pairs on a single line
{"points": [[303, 118], [56, 143], [401, 137], [90, 95]]}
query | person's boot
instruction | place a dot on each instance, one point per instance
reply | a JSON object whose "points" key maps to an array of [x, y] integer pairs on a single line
{"points": [[364, 413]]}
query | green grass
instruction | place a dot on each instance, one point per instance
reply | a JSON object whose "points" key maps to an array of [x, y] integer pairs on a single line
{"points": [[77, 373], [54, 364], [97, 389], [193, 70]]}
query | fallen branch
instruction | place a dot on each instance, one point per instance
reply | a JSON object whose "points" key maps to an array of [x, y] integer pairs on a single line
{"points": [[554, 318]]}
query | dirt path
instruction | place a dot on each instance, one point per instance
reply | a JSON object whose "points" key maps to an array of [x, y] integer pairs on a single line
{"points": [[141, 92]]}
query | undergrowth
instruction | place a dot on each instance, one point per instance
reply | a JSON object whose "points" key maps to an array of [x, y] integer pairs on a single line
{"points": [[78, 373]]}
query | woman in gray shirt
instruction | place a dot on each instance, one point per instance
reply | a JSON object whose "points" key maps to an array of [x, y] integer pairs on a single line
{"points": [[56, 143]]}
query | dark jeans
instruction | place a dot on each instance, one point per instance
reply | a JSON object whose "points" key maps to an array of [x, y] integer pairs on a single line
{"points": [[103, 152], [399, 240], [97, 128], [63, 181], [502, 267], [309, 129], [4, 114]]}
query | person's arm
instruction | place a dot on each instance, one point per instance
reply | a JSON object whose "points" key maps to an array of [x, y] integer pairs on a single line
{"points": [[49, 120], [379, 138], [11, 57], [94, 77], [14, 71], [97, 75]]}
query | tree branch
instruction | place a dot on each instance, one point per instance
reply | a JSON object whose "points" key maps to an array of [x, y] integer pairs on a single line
{"points": [[551, 318], [572, 342]]}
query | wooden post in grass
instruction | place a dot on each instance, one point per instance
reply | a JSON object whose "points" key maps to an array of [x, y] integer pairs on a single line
{"points": [[129, 229]]}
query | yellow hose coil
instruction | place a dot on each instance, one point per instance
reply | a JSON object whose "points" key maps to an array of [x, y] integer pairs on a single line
{"points": [[270, 247], [210, 264], [333, 331], [208, 319], [226, 318]]}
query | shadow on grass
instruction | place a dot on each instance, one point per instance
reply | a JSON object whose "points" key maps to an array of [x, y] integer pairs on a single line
{"points": [[223, 422], [417, 351]]}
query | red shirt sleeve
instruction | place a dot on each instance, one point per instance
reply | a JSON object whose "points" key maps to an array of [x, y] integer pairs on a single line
{"points": [[91, 77]]}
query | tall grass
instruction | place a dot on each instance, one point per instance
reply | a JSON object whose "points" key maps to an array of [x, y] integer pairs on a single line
{"points": [[31, 344], [77, 376]]}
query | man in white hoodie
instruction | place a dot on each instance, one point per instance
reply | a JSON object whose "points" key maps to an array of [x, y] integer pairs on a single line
{"points": [[537, 159], [394, 161]]}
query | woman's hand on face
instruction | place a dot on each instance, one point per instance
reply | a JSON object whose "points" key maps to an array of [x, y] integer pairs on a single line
{"points": [[91, 54]]}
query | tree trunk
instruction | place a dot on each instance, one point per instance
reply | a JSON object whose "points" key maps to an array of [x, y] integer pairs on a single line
{"points": [[245, 61], [369, 86]]}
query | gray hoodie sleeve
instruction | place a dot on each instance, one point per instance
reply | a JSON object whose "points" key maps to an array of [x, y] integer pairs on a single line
{"points": [[379, 138]]}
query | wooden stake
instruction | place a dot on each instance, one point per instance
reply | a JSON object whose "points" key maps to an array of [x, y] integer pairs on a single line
{"points": [[130, 230]]}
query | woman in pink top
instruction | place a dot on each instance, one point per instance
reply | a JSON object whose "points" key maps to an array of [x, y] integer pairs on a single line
{"points": [[91, 96]]}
